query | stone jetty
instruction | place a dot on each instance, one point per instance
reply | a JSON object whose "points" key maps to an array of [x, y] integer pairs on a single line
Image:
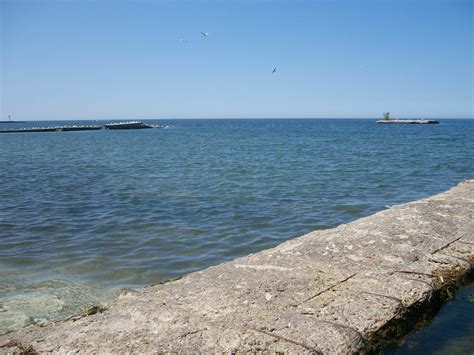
{"points": [[351, 289], [72, 128], [408, 121]]}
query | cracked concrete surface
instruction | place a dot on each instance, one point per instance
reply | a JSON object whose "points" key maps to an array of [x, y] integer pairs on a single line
{"points": [[342, 290]]}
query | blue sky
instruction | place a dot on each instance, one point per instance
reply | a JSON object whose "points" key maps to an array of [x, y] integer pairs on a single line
{"points": [[147, 59]]}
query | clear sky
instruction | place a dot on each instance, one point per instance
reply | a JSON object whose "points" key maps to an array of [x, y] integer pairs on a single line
{"points": [[147, 59]]}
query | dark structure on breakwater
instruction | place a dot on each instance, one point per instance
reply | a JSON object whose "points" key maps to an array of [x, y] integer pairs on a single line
{"points": [[127, 125]]}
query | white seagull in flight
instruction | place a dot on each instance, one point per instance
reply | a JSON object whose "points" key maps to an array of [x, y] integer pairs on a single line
{"points": [[274, 70], [205, 34]]}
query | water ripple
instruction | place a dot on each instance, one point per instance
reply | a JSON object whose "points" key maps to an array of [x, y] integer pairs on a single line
{"points": [[83, 214]]}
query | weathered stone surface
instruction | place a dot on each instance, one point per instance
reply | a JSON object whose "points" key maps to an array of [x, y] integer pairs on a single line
{"points": [[333, 291]]}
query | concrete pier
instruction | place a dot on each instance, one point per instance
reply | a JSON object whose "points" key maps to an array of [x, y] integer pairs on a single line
{"points": [[351, 289], [408, 121], [72, 128]]}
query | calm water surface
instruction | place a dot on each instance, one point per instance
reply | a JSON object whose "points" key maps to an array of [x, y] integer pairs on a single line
{"points": [[83, 214]]}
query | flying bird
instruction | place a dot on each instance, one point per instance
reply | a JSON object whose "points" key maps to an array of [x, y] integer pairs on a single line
{"points": [[274, 70], [205, 34]]}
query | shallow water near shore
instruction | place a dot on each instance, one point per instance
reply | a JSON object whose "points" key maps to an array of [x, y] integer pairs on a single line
{"points": [[84, 214]]}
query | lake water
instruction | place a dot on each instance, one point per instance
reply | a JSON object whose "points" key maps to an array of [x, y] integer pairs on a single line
{"points": [[84, 214], [450, 332]]}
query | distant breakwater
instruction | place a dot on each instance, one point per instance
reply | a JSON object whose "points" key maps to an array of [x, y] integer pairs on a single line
{"points": [[51, 129], [72, 128], [408, 122]]}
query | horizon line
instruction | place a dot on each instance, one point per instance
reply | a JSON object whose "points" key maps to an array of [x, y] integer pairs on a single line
{"points": [[234, 118]]}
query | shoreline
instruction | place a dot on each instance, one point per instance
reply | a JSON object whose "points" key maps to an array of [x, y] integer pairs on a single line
{"points": [[354, 288]]}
